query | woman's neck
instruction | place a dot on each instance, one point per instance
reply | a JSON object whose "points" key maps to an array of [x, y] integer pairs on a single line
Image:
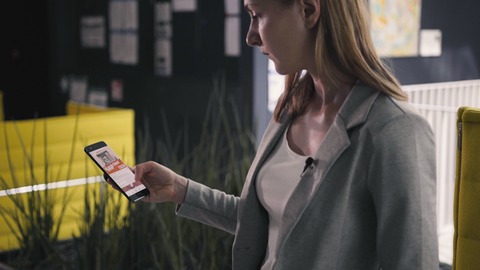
{"points": [[331, 94]]}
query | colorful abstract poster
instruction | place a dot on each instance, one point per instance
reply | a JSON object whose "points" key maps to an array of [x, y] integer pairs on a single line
{"points": [[395, 27]]}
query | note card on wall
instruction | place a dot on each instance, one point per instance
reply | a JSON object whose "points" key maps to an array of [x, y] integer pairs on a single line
{"points": [[78, 88], [116, 90], [93, 32], [98, 97], [123, 18], [184, 5], [232, 28], [430, 43], [163, 58], [163, 43]]}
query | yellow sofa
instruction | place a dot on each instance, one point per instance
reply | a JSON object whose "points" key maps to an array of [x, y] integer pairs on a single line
{"points": [[53, 147]]}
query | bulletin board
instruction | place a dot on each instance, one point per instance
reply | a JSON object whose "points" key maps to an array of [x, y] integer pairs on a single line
{"points": [[197, 46]]}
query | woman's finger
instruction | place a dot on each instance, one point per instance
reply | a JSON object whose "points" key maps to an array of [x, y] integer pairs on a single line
{"points": [[138, 171]]}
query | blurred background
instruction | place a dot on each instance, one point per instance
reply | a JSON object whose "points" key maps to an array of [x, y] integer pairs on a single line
{"points": [[41, 52], [163, 59]]}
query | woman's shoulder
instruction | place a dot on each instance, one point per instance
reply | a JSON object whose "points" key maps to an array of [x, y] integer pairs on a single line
{"points": [[374, 108], [392, 107], [394, 113]]}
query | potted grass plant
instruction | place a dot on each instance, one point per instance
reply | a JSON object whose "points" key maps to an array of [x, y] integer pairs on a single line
{"points": [[34, 219], [151, 236], [142, 235]]}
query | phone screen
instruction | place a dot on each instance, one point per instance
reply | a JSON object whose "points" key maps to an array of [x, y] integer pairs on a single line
{"points": [[112, 165]]}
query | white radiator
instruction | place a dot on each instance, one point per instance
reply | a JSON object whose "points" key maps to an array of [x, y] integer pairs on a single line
{"points": [[439, 103]]}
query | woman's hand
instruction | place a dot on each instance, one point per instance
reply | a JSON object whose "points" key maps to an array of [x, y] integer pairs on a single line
{"points": [[164, 184]]}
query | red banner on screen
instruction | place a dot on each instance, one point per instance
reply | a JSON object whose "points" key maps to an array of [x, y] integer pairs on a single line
{"points": [[115, 166]]}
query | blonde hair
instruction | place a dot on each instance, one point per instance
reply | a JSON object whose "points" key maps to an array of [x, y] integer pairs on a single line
{"points": [[343, 42]]}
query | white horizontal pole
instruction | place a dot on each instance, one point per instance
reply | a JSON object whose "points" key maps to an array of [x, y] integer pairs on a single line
{"points": [[434, 107], [53, 185]]}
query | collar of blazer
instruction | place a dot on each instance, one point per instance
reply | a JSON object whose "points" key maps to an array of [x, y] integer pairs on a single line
{"points": [[353, 112]]}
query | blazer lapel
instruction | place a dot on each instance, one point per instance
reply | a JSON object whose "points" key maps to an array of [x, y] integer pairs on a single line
{"points": [[352, 113], [334, 143]]}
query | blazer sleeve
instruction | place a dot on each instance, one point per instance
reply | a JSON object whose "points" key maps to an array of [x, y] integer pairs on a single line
{"points": [[402, 181], [209, 206]]}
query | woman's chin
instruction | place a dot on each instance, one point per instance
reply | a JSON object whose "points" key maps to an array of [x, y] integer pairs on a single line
{"points": [[281, 71]]}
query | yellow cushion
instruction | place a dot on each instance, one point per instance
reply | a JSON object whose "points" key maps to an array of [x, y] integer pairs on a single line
{"points": [[74, 108]]}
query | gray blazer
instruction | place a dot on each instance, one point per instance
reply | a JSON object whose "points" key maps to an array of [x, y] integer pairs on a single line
{"points": [[366, 202]]}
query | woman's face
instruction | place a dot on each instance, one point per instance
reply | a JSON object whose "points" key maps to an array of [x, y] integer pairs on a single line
{"points": [[279, 31]]}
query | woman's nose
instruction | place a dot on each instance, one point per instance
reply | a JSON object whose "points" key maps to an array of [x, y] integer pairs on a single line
{"points": [[253, 38]]}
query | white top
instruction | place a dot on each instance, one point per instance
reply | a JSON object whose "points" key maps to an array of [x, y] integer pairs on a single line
{"points": [[276, 180]]}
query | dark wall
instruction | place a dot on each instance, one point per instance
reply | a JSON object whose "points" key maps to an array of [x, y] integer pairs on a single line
{"points": [[40, 42], [24, 55], [198, 54], [459, 22]]}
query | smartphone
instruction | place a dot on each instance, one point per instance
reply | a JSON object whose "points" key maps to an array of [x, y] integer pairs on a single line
{"points": [[114, 167]]}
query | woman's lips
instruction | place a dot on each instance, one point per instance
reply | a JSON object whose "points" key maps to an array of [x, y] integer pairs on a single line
{"points": [[267, 54]]}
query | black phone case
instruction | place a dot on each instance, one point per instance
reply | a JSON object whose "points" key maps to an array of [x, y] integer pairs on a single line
{"points": [[99, 145]]}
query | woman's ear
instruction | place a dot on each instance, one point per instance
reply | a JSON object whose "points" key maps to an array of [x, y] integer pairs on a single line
{"points": [[311, 12]]}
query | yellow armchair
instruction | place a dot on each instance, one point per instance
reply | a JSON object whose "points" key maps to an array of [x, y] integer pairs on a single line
{"points": [[466, 242]]}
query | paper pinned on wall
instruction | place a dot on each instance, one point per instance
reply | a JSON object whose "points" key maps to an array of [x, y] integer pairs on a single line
{"points": [[163, 12], [123, 31], [232, 7], [430, 43], [116, 47], [117, 90], [130, 49], [64, 84], [115, 15], [98, 97], [93, 32], [232, 36], [163, 58], [124, 48], [163, 32], [130, 13], [184, 5], [78, 89], [123, 15], [163, 28]]}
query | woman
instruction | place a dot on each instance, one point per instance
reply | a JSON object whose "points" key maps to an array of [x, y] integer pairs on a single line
{"points": [[344, 177]]}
